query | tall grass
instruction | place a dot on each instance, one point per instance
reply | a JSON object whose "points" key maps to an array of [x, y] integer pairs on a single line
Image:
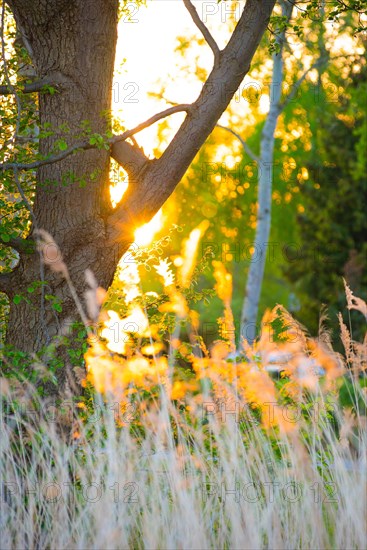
{"points": [[213, 481], [227, 457]]}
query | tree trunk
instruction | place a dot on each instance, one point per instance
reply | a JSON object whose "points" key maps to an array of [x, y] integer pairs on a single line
{"points": [[75, 44], [265, 185]]}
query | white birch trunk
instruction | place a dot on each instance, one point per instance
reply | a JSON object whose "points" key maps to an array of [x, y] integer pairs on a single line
{"points": [[265, 184]]}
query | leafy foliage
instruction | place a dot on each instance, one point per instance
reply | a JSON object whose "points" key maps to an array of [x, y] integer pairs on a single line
{"points": [[333, 225]]}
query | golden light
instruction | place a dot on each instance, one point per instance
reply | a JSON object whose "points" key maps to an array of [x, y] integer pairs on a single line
{"points": [[142, 72], [189, 253], [264, 104], [343, 42], [117, 331], [128, 274], [117, 191], [164, 270], [145, 234]]}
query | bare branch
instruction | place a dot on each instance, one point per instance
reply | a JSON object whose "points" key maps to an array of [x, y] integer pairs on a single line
{"points": [[203, 29], [246, 147], [84, 145], [131, 158], [36, 86], [185, 107]]}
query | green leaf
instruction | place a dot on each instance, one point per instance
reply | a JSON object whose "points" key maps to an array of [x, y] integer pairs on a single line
{"points": [[62, 145], [57, 307], [17, 299]]}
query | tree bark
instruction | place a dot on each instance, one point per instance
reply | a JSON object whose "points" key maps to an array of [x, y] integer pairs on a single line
{"points": [[265, 185], [74, 41]]}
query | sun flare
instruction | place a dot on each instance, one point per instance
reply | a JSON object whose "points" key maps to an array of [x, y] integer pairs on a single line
{"points": [[144, 235]]}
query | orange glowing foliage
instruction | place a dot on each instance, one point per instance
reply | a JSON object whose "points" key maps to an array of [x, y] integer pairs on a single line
{"points": [[114, 374], [133, 356], [223, 284], [189, 253]]}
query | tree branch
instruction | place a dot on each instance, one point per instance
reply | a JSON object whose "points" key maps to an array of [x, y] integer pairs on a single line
{"points": [[158, 181], [85, 144], [203, 29], [131, 158], [185, 107], [246, 147], [36, 86]]}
